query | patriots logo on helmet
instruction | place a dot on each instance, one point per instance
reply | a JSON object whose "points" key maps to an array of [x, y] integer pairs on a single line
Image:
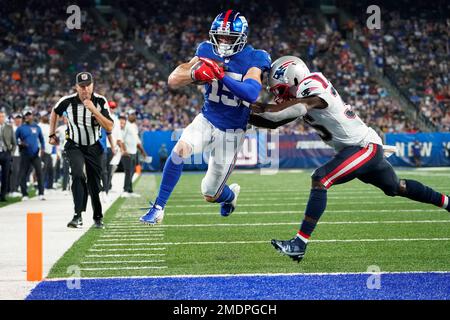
{"points": [[279, 73]]}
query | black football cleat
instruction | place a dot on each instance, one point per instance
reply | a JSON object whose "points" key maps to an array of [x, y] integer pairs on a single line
{"points": [[76, 222], [294, 248]]}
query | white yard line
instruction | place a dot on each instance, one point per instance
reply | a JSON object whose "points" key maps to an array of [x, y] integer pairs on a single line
{"points": [[122, 261], [124, 268], [127, 249], [267, 241], [226, 275], [293, 212], [118, 240], [297, 222], [124, 255]]}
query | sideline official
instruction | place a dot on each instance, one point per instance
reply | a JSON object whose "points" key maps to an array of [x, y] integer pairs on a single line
{"points": [[86, 112]]}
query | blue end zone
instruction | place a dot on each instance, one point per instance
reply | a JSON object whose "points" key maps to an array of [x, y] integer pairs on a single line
{"points": [[414, 286]]}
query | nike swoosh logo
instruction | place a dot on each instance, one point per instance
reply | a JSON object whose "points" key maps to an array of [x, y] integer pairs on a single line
{"points": [[206, 74], [306, 83]]}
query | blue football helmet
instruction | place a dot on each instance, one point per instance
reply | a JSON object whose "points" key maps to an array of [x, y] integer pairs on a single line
{"points": [[232, 26]]}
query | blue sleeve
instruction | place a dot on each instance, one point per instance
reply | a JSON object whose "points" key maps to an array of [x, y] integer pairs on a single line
{"points": [[247, 90], [203, 50], [261, 59]]}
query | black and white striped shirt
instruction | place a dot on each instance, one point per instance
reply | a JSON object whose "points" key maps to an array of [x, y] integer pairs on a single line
{"points": [[82, 127]]}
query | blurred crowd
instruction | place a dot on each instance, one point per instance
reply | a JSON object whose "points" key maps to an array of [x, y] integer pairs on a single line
{"points": [[412, 49], [39, 57]]}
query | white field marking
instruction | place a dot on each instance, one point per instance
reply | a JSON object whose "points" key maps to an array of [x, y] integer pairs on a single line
{"points": [[127, 244], [126, 234], [117, 240], [226, 275], [208, 225], [304, 198], [124, 255], [122, 261], [124, 268], [126, 249], [296, 212], [331, 191], [267, 241], [131, 235], [293, 204]]}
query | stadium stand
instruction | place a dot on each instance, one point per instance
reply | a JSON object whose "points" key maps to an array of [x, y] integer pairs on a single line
{"points": [[38, 60]]}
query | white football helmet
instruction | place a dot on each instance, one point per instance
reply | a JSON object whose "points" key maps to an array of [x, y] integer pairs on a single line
{"points": [[285, 75]]}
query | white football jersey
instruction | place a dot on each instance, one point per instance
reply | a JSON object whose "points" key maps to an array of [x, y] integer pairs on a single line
{"points": [[336, 124]]}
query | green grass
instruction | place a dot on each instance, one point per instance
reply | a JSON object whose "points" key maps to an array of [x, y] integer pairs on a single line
{"points": [[269, 207]]}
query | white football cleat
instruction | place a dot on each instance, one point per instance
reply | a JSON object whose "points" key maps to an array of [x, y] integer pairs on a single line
{"points": [[41, 197]]}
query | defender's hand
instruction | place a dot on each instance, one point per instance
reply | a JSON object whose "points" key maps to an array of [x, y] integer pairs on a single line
{"points": [[200, 72], [218, 71]]}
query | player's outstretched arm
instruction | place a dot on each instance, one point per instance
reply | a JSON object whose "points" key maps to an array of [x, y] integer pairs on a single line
{"points": [[294, 108], [312, 102], [181, 76], [261, 122]]}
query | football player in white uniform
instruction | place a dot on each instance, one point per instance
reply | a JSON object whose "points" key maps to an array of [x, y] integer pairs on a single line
{"points": [[359, 149]]}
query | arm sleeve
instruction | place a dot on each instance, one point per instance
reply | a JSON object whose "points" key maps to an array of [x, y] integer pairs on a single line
{"points": [[247, 90]]}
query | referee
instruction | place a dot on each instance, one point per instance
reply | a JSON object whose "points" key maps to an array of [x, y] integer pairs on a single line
{"points": [[86, 112]]}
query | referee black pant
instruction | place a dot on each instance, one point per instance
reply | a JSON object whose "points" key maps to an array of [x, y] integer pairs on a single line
{"points": [[89, 157]]}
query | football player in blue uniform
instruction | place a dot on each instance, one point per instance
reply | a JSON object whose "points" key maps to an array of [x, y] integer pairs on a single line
{"points": [[232, 72]]}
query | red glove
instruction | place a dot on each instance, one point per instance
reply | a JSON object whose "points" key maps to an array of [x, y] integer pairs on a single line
{"points": [[200, 72], [218, 71]]}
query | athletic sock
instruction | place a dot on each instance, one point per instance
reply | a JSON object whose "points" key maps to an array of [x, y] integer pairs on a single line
{"points": [[316, 206], [419, 192], [170, 176], [226, 196]]}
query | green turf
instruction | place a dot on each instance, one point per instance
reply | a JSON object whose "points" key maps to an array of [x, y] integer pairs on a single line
{"points": [[270, 206]]}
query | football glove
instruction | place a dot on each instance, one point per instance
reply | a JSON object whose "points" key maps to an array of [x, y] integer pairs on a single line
{"points": [[219, 73], [201, 73]]}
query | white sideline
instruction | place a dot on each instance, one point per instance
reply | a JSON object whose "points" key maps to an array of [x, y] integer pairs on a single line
{"points": [[57, 238], [227, 275], [262, 241]]}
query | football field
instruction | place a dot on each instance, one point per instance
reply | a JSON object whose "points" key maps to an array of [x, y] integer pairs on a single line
{"points": [[362, 231]]}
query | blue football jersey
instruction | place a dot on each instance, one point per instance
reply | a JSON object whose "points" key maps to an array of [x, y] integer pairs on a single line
{"points": [[221, 107]]}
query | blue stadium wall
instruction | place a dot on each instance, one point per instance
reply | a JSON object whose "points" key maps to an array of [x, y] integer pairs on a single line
{"points": [[303, 151]]}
